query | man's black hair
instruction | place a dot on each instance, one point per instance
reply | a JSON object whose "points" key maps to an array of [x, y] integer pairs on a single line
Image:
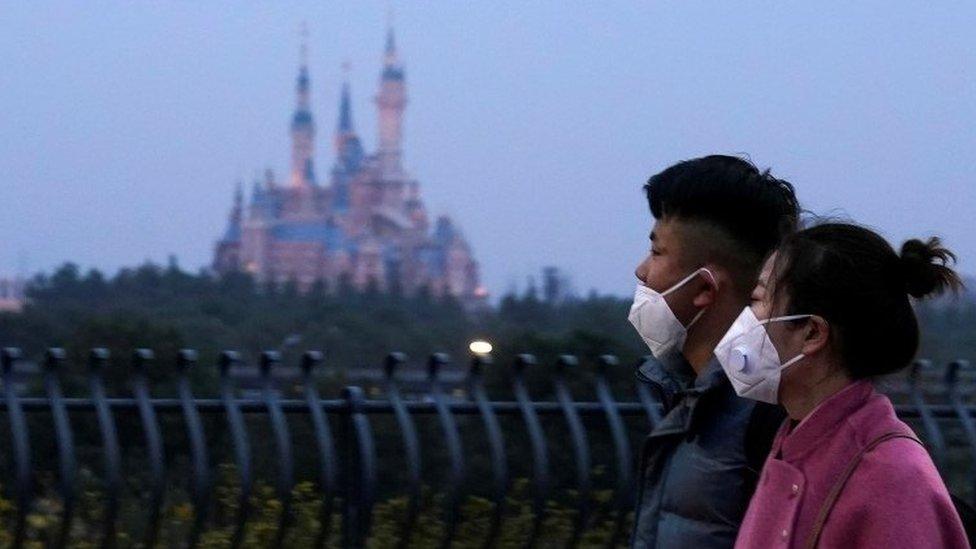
{"points": [[753, 208]]}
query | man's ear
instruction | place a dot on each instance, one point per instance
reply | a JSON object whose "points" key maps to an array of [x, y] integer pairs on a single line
{"points": [[707, 288], [817, 335]]}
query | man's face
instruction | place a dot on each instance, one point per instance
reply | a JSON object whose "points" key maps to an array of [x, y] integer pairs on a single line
{"points": [[669, 261]]}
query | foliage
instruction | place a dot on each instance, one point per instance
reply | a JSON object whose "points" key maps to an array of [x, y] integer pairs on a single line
{"points": [[386, 528]]}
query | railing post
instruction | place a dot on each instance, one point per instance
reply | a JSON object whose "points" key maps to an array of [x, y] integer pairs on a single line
{"points": [[53, 362], [282, 442], [452, 440], [968, 426], [324, 443], [110, 442], [239, 439], [154, 442], [20, 443], [496, 444], [537, 441], [361, 474], [411, 446], [186, 360], [581, 447], [624, 459], [933, 433]]}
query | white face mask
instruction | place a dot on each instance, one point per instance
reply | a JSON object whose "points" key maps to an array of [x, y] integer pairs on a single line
{"points": [[655, 321], [749, 358]]}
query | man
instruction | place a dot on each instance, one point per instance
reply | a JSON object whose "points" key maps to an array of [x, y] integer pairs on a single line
{"points": [[716, 219]]}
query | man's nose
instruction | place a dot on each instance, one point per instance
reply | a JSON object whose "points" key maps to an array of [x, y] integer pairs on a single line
{"points": [[641, 272]]}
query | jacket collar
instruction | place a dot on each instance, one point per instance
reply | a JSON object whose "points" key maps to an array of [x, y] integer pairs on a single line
{"points": [[824, 420], [681, 390]]}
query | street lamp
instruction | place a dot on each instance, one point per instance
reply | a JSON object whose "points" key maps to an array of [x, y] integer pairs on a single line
{"points": [[480, 347]]}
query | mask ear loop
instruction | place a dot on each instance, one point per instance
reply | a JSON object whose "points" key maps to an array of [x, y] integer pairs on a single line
{"points": [[684, 281], [787, 318], [784, 318]]}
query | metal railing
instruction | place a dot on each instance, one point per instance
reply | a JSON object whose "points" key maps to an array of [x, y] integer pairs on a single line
{"points": [[347, 473]]}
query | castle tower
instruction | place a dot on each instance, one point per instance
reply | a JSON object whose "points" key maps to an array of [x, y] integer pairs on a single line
{"points": [[303, 127], [391, 101], [227, 257], [348, 149]]}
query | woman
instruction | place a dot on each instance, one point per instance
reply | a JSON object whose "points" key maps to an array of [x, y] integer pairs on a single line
{"points": [[830, 313]]}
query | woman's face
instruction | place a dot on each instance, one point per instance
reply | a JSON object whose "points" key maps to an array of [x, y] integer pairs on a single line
{"points": [[761, 295], [786, 338]]}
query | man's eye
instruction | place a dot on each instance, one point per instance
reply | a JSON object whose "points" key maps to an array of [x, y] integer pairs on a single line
{"points": [[655, 252]]}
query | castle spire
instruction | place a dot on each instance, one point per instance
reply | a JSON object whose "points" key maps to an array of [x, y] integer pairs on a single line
{"points": [[349, 151], [233, 232], [345, 105], [302, 124], [391, 102]]}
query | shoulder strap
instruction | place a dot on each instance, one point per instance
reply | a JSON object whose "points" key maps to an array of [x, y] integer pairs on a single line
{"points": [[834, 493]]}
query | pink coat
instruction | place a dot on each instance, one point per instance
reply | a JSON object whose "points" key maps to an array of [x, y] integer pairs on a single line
{"points": [[894, 498]]}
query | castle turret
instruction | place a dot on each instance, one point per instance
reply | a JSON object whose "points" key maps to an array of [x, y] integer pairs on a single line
{"points": [[227, 256], [391, 102], [302, 127], [348, 149]]}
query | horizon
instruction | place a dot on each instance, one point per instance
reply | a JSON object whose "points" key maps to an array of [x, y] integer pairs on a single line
{"points": [[561, 113]]}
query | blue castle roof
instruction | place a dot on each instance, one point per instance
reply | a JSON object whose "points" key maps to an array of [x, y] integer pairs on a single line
{"points": [[326, 233]]}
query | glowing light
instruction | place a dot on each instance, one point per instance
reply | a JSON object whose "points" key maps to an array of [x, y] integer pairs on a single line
{"points": [[480, 347]]}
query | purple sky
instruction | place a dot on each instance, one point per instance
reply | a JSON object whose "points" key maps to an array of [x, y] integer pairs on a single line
{"points": [[534, 124]]}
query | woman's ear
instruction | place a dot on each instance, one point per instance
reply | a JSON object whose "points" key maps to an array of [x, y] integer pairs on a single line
{"points": [[817, 335]]}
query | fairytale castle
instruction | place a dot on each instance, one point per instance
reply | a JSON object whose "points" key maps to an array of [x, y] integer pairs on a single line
{"points": [[366, 227]]}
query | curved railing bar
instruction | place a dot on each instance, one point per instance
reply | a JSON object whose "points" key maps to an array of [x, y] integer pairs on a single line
{"points": [[186, 360], [537, 441], [154, 442], [359, 500], [110, 442], [325, 444], [581, 446], [955, 399], [282, 441], [20, 443], [240, 442], [452, 440], [67, 461], [624, 460], [932, 431], [496, 445], [411, 445]]}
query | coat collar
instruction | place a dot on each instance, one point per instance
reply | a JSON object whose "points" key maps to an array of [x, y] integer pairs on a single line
{"points": [[823, 422], [680, 389]]}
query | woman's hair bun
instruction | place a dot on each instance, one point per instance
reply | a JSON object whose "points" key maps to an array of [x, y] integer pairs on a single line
{"points": [[925, 268]]}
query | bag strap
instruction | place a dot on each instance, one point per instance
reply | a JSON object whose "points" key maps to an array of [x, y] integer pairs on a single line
{"points": [[834, 493]]}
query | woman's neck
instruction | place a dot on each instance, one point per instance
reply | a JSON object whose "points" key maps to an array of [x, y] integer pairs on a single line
{"points": [[807, 394]]}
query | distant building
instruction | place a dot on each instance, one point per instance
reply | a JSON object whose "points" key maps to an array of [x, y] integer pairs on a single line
{"points": [[366, 227], [556, 286], [12, 294]]}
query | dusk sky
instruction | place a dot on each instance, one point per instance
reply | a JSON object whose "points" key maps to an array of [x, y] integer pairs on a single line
{"points": [[533, 124]]}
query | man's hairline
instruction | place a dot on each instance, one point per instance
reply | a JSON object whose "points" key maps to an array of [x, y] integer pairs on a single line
{"points": [[712, 253]]}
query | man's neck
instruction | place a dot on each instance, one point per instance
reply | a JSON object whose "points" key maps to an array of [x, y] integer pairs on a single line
{"points": [[699, 348]]}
